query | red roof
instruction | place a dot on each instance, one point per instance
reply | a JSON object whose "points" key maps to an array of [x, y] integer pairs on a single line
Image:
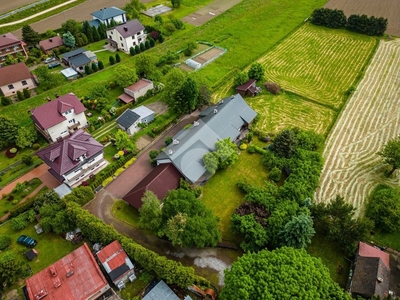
{"points": [[109, 250], [62, 157], [51, 43], [50, 114], [75, 276], [8, 39], [139, 85], [163, 178], [14, 73], [366, 250], [125, 98], [245, 86]]}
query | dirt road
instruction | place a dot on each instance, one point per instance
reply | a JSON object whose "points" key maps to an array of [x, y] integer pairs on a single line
{"points": [[8, 5]]}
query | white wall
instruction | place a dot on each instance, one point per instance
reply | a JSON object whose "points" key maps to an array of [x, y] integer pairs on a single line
{"points": [[125, 44], [134, 128], [84, 171], [59, 129], [18, 86]]}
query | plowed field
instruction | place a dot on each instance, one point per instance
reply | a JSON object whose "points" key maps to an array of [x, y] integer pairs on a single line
{"points": [[371, 117]]}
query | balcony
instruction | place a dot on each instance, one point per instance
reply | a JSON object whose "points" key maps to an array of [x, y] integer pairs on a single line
{"points": [[74, 126]]}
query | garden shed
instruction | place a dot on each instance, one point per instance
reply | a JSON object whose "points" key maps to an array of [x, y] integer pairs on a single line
{"points": [[70, 73]]}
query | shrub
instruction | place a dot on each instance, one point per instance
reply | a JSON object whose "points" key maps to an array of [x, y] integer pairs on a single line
{"points": [[153, 154], [112, 60], [19, 222], [13, 150], [107, 181], [88, 70], [132, 51], [117, 58], [251, 149], [160, 38], [27, 93], [101, 65], [118, 172], [27, 159], [243, 146], [147, 44], [20, 96], [137, 49], [95, 68], [275, 174], [142, 47], [5, 241], [130, 162], [35, 146], [168, 140], [152, 42], [5, 101], [177, 23]]}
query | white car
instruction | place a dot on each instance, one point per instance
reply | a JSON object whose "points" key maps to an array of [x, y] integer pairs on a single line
{"points": [[49, 60]]}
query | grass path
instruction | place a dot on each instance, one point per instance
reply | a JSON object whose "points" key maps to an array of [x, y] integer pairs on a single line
{"points": [[105, 129]]}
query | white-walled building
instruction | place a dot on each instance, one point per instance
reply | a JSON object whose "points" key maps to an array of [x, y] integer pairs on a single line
{"points": [[60, 117], [74, 159], [136, 90], [131, 118], [127, 35]]}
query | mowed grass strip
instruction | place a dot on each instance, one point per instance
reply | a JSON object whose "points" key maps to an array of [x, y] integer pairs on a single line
{"points": [[221, 194], [285, 110], [319, 63]]}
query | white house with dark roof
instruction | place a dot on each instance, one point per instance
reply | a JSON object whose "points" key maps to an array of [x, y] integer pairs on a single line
{"points": [[226, 119], [106, 14], [58, 118], [74, 159], [130, 119], [126, 35]]}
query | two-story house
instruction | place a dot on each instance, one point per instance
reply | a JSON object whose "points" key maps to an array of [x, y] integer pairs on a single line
{"points": [[106, 15], [58, 118], [74, 159], [127, 35], [15, 78], [11, 45]]}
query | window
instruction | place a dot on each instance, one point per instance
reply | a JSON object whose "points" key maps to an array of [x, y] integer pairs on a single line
{"points": [[111, 32], [71, 121], [138, 33], [120, 38], [110, 37], [7, 49], [140, 39], [64, 132], [3, 58], [134, 43], [122, 45], [67, 112], [24, 82], [10, 86], [15, 48]]}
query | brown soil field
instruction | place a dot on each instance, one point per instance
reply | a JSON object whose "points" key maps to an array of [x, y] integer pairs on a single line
{"points": [[210, 11], [7, 6], [208, 55], [389, 9], [78, 13]]}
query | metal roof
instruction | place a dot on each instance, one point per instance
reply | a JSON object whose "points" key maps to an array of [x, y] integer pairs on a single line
{"points": [[161, 291], [73, 53], [79, 60], [143, 111], [107, 13]]}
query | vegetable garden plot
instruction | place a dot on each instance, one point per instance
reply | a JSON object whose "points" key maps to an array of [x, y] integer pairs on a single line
{"points": [[372, 117], [318, 63]]}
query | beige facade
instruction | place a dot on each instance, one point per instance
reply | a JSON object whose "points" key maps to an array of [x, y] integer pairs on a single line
{"points": [[72, 122], [12, 88]]}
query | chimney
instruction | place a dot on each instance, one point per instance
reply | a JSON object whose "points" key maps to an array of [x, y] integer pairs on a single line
{"points": [[50, 39], [215, 110], [125, 28]]}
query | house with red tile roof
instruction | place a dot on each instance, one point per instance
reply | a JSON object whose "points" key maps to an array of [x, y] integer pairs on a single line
{"points": [[11, 45], [74, 159], [117, 264], [126, 35], [59, 118], [76, 276], [15, 78], [371, 276], [48, 45], [136, 90]]}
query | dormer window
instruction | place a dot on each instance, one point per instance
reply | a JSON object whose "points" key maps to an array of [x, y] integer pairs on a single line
{"points": [[68, 112]]}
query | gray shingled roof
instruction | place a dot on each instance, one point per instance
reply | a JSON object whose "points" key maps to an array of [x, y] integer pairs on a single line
{"points": [[128, 118], [79, 60], [108, 13], [73, 53], [231, 114]]}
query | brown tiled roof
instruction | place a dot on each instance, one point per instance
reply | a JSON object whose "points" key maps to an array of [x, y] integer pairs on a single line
{"points": [[14, 73], [129, 28], [125, 98], [51, 43], [50, 114], [8, 39], [162, 179], [61, 157], [245, 86], [139, 85], [369, 251]]}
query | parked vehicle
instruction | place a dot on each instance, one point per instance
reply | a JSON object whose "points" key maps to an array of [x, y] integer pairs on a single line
{"points": [[53, 65], [49, 60], [27, 241]]}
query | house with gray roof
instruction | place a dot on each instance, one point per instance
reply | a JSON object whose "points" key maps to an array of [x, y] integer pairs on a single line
{"points": [[78, 59], [126, 35], [160, 291], [130, 119], [106, 14], [226, 119]]}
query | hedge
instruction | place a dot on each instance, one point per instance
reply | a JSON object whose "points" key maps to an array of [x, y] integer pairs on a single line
{"points": [[171, 271], [129, 162], [118, 172], [107, 181]]}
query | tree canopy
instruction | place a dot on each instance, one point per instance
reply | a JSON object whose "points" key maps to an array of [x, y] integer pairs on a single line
{"points": [[256, 71], [26, 136], [69, 39], [284, 273], [125, 76], [8, 131], [226, 153], [30, 36], [391, 154], [185, 98], [123, 141], [150, 212]]}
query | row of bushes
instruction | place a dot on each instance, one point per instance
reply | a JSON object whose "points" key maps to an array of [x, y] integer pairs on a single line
{"points": [[110, 170], [334, 18], [163, 122], [171, 271]]}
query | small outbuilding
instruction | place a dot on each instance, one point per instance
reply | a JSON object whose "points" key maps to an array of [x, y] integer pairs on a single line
{"points": [[70, 73], [131, 118], [31, 254], [160, 291], [248, 89], [136, 90]]}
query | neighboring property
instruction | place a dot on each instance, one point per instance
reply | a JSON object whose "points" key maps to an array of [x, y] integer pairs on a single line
{"points": [[105, 15], [75, 276], [160, 291], [371, 275], [78, 59], [130, 119], [70, 73], [15, 78], [227, 119], [162, 179], [75, 159], [127, 35], [48, 45], [11, 45], [248, 89], [136, 90], [58, 118], [117, 264]]}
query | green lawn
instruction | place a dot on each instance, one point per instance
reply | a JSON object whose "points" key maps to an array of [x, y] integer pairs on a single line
{"points": [[221, 194], [319, 63], [391, 240], [126, 213], [15, 172], [134, 288]]}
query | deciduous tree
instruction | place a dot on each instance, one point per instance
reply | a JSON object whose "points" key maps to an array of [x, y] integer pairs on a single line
{"points": [[391, 154], [185, 98], [226, 152], [125, 76], [240, 78], [210, 161], [26, 136], [256, 71], [123, 141], [150, 212], [145, 65], [8, 131]]}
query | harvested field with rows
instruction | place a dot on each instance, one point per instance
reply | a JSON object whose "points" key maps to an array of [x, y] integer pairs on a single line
{"points": [[289, 110], [319, 63], [371, 117]]}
